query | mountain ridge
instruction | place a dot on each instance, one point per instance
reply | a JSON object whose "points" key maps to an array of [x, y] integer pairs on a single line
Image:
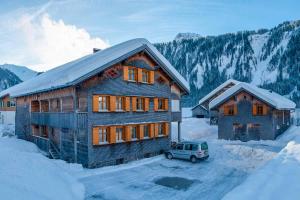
{"points": [[266, 57]]}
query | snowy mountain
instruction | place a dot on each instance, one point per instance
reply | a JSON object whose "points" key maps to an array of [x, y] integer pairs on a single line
{"points": [[11, 75], [267, 58], [8, 79], [24, 73]]}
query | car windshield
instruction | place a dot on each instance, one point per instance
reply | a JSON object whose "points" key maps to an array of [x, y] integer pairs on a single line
{"points": [[204, 146]]}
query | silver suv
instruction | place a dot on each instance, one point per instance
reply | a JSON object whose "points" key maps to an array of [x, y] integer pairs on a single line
{"points": [[192, 151]]}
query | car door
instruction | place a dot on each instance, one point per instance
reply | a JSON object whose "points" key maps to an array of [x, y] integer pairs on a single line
{"points": [[178, 152], [187, 151]]}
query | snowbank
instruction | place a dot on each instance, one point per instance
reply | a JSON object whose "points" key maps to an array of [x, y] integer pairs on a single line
{"points": [[26, 174], [7, 130], [279, 178], [195, 128]]}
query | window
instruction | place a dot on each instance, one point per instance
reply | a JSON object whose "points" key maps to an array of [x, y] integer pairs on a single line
{"points": [[139, 103], [119, 103], [160, 130], [133, 132], [160, 104], [8, 103], [195, 147], [229, 110], [146, 131], [103, 135], [259, 109], [12, 104], [145, 76], [188, 147], [132, 74], [103, 102], [119, 134], [179, 146]]}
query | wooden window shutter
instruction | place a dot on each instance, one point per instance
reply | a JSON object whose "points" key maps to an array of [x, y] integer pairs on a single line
{"points": [[112, 103], [151, 77], [127, 135], [140, 75], [112, 135], [166, 104], [140, 132], [235, 109], [166, 128], [95, 103], [155, 130], [133, 104], [254, 109], [151, 130], [127, 104], [155, 104], [125, 73], [146, 104], [265, 109], [95, 135]]}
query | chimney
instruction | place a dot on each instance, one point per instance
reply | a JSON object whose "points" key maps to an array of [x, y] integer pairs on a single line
{"points": [[95, 50]]}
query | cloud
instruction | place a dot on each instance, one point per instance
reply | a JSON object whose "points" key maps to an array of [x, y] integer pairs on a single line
{"points": [[40, 42]]}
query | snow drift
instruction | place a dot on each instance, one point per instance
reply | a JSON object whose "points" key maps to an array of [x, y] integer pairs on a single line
{"points": [[27, 174]]}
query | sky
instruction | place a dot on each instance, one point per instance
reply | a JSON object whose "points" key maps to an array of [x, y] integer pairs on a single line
{"points": [[43, 34]]}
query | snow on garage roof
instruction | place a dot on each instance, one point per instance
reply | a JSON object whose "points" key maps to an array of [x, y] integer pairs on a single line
{"points": [[277, 101], [217, 89], [81, 69]]}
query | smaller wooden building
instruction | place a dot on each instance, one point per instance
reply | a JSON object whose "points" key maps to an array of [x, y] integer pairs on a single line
{"points": [[246, 112], [202, 109]]}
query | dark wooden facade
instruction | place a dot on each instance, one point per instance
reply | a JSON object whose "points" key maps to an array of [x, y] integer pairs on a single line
{"points": [[66, 122], [245, 117]]}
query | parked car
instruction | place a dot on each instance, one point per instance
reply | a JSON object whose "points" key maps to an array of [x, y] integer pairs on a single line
{"points": [[192, 151]]}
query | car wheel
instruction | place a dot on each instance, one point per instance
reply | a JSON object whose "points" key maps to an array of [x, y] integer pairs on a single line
{"points": [[169, 156], [193, 159]]}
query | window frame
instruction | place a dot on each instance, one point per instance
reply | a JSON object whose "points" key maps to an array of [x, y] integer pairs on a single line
{"points": [[119, 102], [160, 129], [103, 135], [133, 127], [140, 104], [230, 110], [146, 127], [118, 138], [145, 74], [259, 109], [102, 103], [130, 74]]}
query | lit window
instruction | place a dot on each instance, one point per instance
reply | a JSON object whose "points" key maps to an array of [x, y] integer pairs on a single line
{"points": [[102, 135], [133, 132], [139, 103], [132, 74], [119, 103], [229, 110], [259, 109], [103, 101], [119, 134], [160, 129], [146, 131], [145, 76]]}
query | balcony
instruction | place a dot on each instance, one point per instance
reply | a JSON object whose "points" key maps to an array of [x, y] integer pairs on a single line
{"points": [[60, 120]]}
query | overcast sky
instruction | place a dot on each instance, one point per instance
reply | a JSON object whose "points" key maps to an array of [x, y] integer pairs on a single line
{"points": [[43, 34]]}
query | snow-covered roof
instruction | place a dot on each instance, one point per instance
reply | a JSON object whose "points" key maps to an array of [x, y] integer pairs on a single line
{"points": [[217, 89], [277, 101], [83, 68], [200, 106]]}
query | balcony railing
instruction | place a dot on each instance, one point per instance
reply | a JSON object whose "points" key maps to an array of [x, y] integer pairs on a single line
{"points": [[60, 120]]}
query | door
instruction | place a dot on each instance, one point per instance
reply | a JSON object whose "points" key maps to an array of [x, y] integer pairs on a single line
{"points": [[179, 152], [187, 152]]}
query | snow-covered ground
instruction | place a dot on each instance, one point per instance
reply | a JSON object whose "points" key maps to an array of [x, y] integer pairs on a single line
{"points": [[27, 174], [235, 170]]}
